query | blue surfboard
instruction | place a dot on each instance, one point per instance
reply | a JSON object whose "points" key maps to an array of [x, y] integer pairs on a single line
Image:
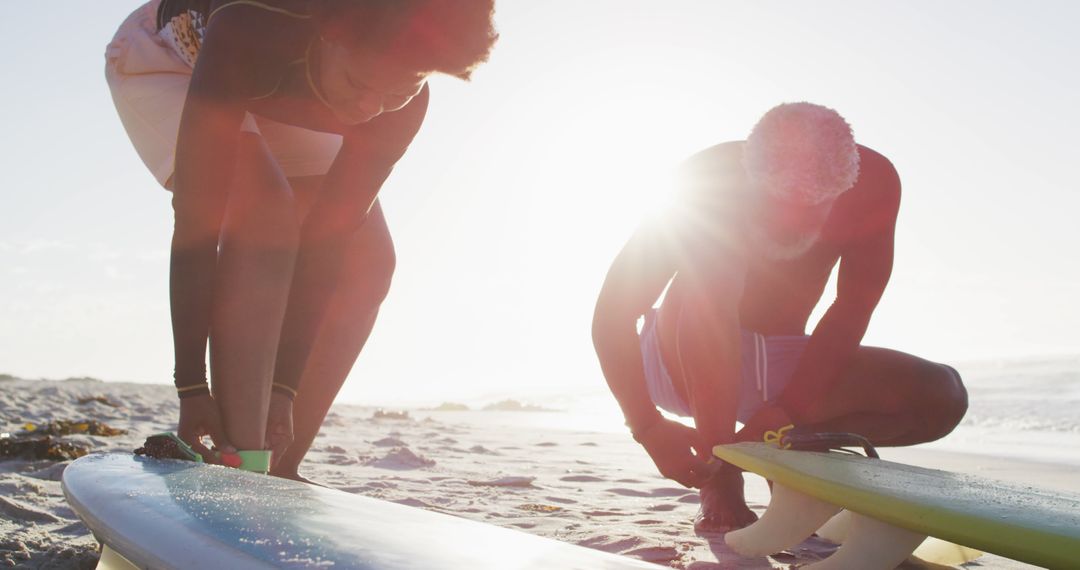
{"points": [[154, 513]]}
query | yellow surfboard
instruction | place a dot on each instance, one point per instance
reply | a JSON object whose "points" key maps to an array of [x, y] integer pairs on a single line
{"points": [[1021, 522]]}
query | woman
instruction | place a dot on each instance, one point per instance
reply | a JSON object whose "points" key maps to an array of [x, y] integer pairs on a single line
{"points": [[275, 123]]}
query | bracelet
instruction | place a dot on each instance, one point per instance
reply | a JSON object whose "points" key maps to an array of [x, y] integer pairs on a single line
{"points": [[287, 391], [193, 390]]}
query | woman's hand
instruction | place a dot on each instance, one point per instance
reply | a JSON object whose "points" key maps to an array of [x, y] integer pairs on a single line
{"points": [[671, 445], [279, 426], [199, 417]]}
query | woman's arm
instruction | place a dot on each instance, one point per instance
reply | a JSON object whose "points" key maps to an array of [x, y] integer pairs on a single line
{"points": [[367, 157], [205, 159]]}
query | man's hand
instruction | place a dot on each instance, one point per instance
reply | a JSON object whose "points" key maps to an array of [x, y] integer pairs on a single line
{"points": [[672, 446], [279, 426], [769, 418], [199, 417]]}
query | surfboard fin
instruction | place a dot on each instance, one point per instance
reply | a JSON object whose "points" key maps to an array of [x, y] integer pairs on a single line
{"points": [[932, 551], [790, 518], [871, 545]]}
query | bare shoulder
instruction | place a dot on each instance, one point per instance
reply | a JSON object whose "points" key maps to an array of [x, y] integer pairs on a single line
{"points": [[878, 178], [713, 178], [718, 159], [256, 37], [872, 206]]}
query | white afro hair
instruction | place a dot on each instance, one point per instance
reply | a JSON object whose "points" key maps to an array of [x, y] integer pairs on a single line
{"points": [[803, 152]]}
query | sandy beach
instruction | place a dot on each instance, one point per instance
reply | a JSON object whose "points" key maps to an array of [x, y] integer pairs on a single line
{"points": [[513, 469]]}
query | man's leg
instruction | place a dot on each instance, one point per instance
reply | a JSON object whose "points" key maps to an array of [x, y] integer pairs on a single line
{"points": [[892, 398], [365, 280]]}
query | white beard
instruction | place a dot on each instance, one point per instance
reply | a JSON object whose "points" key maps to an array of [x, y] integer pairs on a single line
{"points": [[770, 248]]}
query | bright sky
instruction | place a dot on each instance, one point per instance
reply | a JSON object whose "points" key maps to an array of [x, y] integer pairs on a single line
{"points": [[523, 184]]}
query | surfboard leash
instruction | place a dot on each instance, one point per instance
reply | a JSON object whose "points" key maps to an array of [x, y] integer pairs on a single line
{"points": [[788, 437]]}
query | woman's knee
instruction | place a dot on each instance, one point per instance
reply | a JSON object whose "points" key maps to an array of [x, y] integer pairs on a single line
{"points": [[370, 271], [383, 266]]}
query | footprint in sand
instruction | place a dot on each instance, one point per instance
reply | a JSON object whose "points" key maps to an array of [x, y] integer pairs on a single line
{"points": [[656, 554], [610, 543], [582, 479], [546, 444], [562, 500], [401, 458], [662, 508], [671, 492], [15, 511], [339, 459], [612, 513], [412, 502], [389, 442], [508, 481], [691, 499], [589, 444], [628, 492]]}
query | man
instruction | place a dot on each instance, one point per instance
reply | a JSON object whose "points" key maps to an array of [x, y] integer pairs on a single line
{"points": [[745, 256]]}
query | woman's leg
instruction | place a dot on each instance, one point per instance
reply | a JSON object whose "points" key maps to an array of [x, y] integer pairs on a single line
{"points": [[364, 282], [257, 251]]}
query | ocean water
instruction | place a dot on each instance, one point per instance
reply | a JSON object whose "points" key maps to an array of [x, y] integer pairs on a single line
{"points": [[1029, 395], [1023, 409]]}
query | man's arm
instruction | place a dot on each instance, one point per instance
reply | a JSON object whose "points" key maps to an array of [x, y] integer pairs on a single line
{"points": [[635, 280], [633, 283], [366, 159], [712, 271], [865, 267]]}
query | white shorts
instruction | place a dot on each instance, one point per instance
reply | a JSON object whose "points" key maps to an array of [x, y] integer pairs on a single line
{"points": [[149, 84]]}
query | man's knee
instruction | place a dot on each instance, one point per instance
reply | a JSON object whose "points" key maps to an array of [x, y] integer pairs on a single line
{"points": [[946, 399]]}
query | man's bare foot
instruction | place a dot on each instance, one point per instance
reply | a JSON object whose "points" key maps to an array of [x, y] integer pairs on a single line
{"points": [[723, 506]]}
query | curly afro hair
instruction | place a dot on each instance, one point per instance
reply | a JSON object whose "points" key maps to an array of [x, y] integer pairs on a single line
{"points": [[802, 152], [438, 36]]}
